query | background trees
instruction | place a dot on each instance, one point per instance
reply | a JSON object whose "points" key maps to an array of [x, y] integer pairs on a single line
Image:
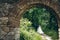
{"points": [[41, 16]]}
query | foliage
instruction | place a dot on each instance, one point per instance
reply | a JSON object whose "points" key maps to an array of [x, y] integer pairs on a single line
{"points": [[27, 32], [45, 18]]}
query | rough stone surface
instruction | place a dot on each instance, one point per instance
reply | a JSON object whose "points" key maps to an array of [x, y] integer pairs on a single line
{"points": [[10, 15]]}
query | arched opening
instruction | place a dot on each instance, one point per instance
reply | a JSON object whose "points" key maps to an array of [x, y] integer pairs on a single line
{"points": [[35, 17]]}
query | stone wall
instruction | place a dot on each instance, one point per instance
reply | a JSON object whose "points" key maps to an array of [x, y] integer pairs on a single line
{"points": [[10, 15], [7, 32]]}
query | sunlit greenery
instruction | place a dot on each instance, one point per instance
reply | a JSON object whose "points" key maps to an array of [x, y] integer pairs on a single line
{"points": [[34, 17], [27, 32]]}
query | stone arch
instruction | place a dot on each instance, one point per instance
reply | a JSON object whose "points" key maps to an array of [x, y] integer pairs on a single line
{"points": [[44, 6], [18, 10], [37, 4], [21, 8]]}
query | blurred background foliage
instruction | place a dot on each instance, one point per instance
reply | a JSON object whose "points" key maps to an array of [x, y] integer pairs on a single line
{"points": [[34, 17]]}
